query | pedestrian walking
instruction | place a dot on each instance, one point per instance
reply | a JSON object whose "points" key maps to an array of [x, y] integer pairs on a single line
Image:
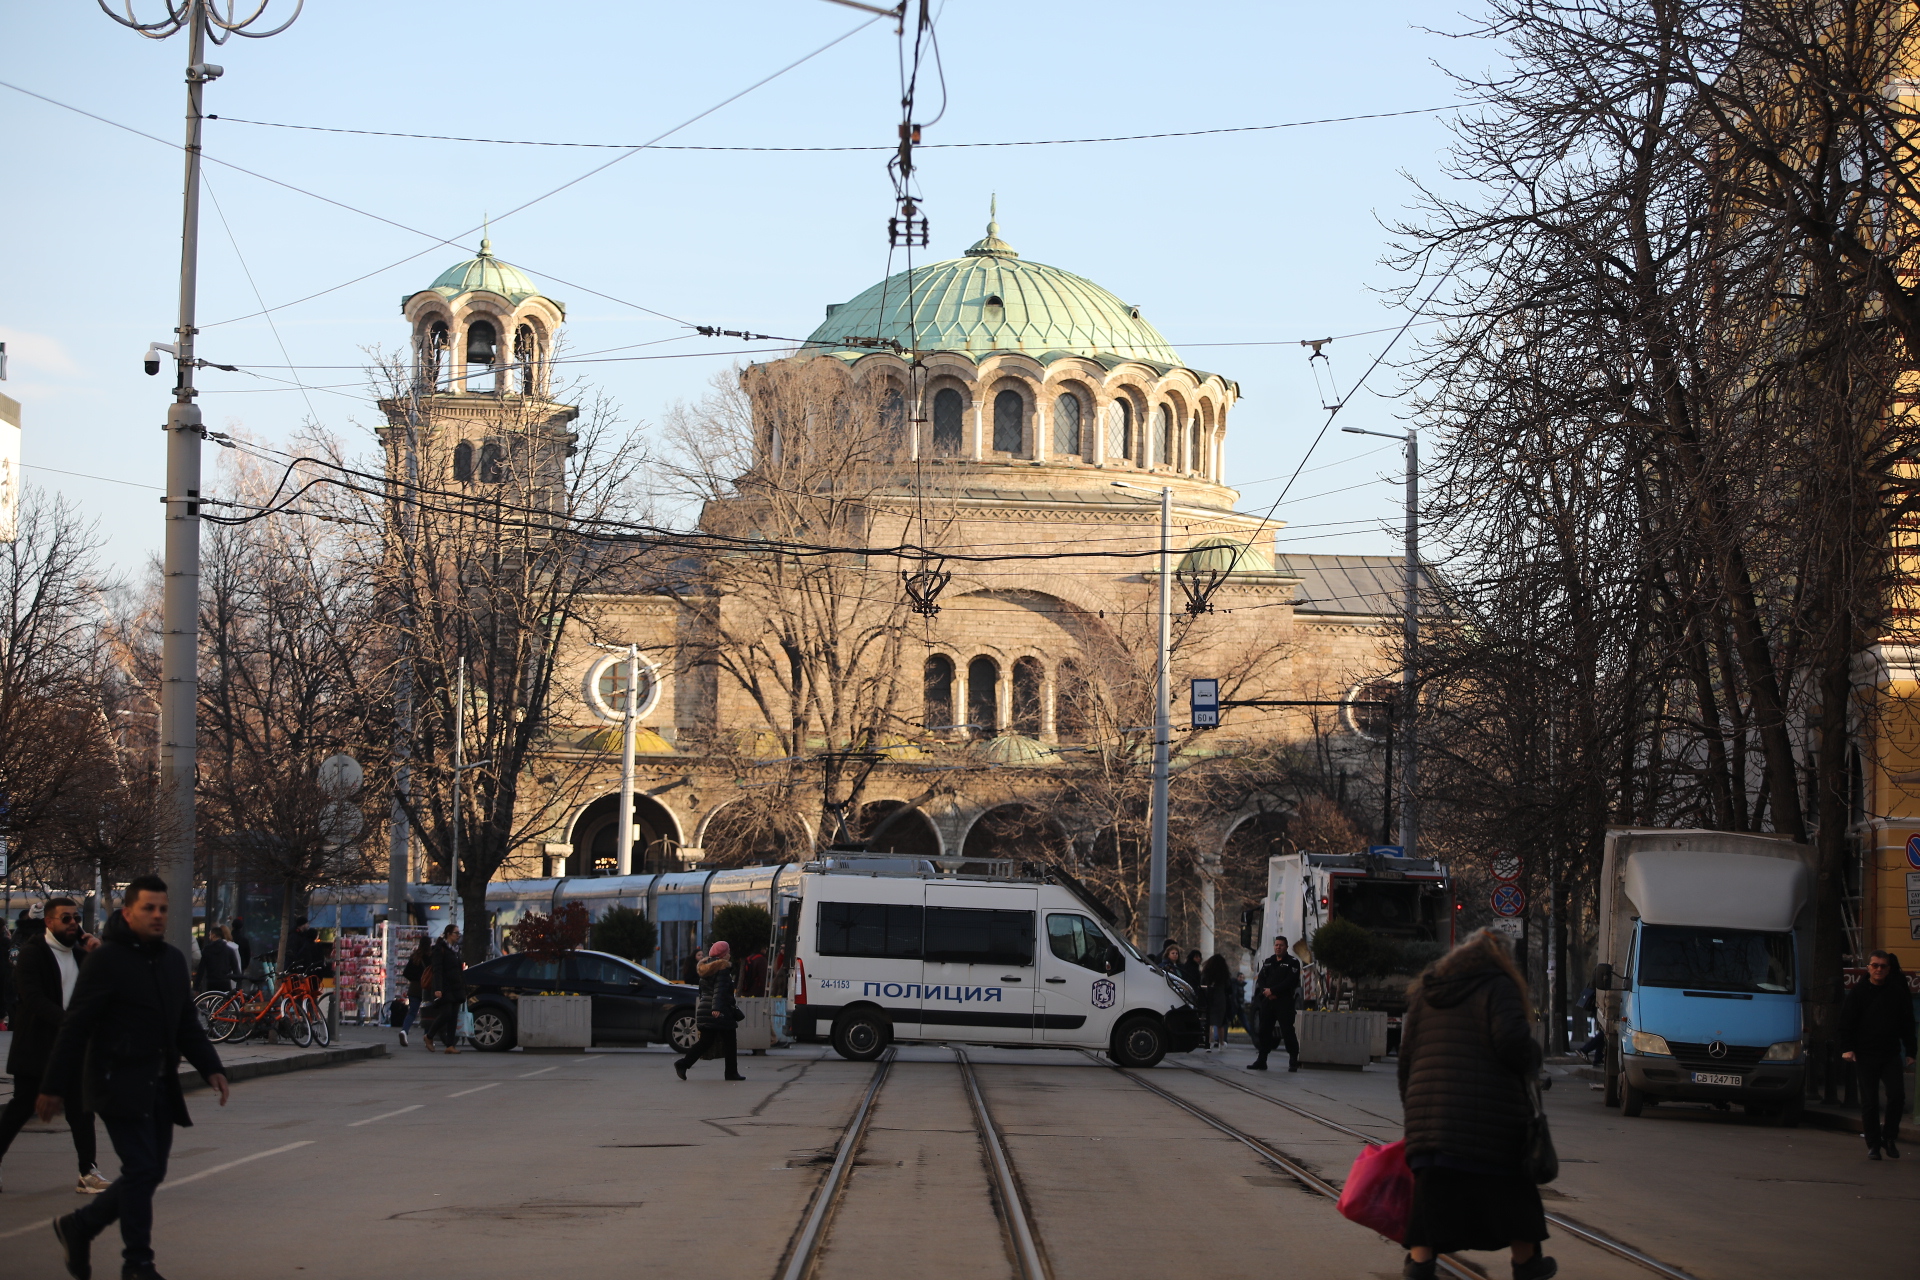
{"points": [[219, 962], [1467, 1063], [715, 1012], [44, 976], [448, 982], [414, 972], [1221, 1000], [1275, 994], [1877, 1037], [129, 1023]]}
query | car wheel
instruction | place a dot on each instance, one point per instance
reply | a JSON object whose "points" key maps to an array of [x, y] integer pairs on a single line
{"points": [[860, 1035], [1139, 1042], [1632, 1100], [682, 1030], [492, 1030]]}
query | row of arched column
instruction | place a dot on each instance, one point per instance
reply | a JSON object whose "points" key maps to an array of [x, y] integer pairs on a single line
{"points": [[1123, 428], [983, 699]]}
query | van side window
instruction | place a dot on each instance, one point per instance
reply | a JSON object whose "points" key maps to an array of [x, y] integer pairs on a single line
{"points": [[1078, 940], [889, 930], [964, 935]]}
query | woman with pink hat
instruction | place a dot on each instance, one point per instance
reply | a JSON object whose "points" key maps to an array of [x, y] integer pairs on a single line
{"points": [[715, 1012]]}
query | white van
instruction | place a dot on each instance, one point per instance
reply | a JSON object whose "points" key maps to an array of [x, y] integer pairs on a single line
{"points": [[886, 949]]}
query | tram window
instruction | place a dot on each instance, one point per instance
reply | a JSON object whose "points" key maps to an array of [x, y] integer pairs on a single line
{"points": [[962, 935], [879, 929], [1078, 940]]}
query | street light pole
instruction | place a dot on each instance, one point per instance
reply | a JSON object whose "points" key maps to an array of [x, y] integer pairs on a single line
{"points": [[460, 767], [180, 589], [627, 721], [1162, 730], [1410, 637]]}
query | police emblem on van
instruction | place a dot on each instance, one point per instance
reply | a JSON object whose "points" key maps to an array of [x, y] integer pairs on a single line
{"points": [[1103, 993]]}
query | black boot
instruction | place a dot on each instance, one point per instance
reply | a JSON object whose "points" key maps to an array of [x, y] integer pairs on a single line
{"points": [[1538, 1267], [1411, 1270], [1293, 1064], [76, 1246], [1259, 1063]]}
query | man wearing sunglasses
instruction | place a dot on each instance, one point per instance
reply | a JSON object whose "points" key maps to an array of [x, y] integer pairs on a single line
{"points": [[1877, 1036], [48, 968]]}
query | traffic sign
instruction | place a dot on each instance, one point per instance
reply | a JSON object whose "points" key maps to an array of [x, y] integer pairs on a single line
{"points": [[1509, 900], [1913, 850], [1507, 867], [1387, 850], [1205, 698], [340, 776]]}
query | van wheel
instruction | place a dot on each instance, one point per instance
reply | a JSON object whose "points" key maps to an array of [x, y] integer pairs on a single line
{"points": [[860, 1035], [1139, 1042], [1631, 1099]]}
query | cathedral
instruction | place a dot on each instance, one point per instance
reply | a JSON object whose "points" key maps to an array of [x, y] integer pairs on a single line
{"points": [[1039, 426]]}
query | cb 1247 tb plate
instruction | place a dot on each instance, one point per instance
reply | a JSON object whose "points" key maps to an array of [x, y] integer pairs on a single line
{"points": [[1714, 1077]]}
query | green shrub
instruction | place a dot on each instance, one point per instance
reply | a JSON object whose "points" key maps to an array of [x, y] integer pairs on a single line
{"points": [[744, 928], [1345, 949], [624, 932]]}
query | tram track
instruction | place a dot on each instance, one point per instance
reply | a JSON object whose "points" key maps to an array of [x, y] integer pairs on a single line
{"points": [[809, 1244]]}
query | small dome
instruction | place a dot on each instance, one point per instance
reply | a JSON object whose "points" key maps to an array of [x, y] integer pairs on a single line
{"points": [[992, 300], [1014, 748], [488, 274], [1212, 557], [645, 742]]}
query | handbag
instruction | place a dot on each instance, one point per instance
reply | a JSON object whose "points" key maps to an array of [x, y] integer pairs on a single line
{"points": [[1379, 1190], [1540, 1160]]}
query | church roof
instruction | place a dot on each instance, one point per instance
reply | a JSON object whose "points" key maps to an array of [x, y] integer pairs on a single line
{"points": [[1371, 586], [990, 299], [485, 273]]}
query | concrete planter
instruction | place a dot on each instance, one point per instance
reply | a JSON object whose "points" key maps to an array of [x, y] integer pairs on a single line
{"points": [[755, 1032], [555, 1023], [1343, 1039]]}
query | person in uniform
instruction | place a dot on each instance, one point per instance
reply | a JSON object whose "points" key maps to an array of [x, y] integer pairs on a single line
{"points": [[1274, 992]]}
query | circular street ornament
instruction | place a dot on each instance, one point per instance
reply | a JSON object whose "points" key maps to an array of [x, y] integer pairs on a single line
{"points": [[341, 821], [1509, 900], [1507, 867], [340, 776]]}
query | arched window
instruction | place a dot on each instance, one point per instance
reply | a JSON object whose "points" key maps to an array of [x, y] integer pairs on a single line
{"points": [[1009, 422], [1161, 438], [1120, 430], [493, 460], [433, 360], [937, 704], [893, 415], [1072, 713], [463, 462], [483, 342], [1066, 425], [947, 431], [1029, 682], [983, 696], [1193, 445], [525, 357]]}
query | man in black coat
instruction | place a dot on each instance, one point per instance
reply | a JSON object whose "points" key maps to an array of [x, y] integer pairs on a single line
{"points": [[1274, 989], [1877, 1036], [46, 973], [449, 990], [130, 1021]]}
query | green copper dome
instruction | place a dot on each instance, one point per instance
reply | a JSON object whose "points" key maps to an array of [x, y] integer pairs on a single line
{"points": [[991, 300], [487, 273]]}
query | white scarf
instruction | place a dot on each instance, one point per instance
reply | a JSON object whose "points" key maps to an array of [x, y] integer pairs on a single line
{"points": [[69, 968]]}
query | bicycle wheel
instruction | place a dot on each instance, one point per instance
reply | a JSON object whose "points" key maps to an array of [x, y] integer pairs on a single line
{"points": [[318, 1019], [228, 1016], [203, 1007], [294, 1024]]}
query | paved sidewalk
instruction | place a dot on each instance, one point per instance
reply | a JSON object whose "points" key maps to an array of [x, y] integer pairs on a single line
{"points": [[255, 1058]]}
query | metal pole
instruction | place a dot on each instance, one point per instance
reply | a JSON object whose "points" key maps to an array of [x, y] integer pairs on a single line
{"points": [[1162, 731], [180, 592], [627, 721], [459, 750], [399, 827], [1410, 741]]}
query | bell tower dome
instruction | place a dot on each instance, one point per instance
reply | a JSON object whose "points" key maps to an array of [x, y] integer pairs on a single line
{"points": [[479, 394]]}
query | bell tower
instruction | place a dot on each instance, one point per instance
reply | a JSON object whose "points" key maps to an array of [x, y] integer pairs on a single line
{"points": [[476, 414]]}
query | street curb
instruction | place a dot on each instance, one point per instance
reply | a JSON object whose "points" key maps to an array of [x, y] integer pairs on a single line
{"points": [[190, 1080]]}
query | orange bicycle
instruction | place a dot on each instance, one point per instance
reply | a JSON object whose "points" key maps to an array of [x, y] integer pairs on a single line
{"points": [[290, 1008]]}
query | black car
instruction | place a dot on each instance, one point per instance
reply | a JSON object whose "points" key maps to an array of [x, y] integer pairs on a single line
{"points": [[631, 1004]]}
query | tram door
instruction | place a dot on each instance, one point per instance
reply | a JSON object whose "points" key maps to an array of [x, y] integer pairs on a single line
{"points": [[978, 976]]}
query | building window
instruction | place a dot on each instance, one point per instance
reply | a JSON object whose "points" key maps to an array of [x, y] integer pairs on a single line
{"points": [[1009, 422], [1120, 430], [893, 416], [525, 356], [1161, 438], [1066, 425], [493, 458], [434, 362], [983, 696], [946, 422], [1072, 710], [937, 704], [463, 462], [607, 687], [482, 342], [1193, 445], [1028, 682]]}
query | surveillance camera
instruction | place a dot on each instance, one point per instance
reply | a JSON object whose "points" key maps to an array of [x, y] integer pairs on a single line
{"points": [[204, 71], [152, 360]]}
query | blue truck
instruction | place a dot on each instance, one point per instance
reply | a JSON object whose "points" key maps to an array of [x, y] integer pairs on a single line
{"points": [[1704, 941]]}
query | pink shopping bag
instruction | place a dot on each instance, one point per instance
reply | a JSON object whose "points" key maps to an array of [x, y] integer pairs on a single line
{"points": [[1379, 1190]]}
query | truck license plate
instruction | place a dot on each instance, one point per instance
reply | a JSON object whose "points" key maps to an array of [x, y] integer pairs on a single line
{"points": [[1714, 1077]]}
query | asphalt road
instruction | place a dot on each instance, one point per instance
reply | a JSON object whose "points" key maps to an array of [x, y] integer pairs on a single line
{"points": [[485, 1165]]}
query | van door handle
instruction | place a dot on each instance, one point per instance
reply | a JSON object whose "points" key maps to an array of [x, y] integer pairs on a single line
{"points": [[1008, 977], [1056, 979]]}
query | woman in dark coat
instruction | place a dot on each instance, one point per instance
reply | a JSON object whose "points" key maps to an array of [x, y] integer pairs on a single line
{"points": [[1467, 1055], [1218, 990], [714, 1011]]}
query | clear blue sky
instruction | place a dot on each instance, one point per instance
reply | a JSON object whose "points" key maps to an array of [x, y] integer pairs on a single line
{"points": [[1263, 237]]}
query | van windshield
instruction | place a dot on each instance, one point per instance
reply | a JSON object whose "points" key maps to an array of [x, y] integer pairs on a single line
{"points": [[1741, 960]]}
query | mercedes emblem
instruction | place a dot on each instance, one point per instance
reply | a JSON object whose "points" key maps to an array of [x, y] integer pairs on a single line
{"points": [[1718, 1049]]}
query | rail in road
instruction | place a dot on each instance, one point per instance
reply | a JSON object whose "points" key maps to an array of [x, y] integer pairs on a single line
{"points": [[1455, 1267], [808, 1245]]}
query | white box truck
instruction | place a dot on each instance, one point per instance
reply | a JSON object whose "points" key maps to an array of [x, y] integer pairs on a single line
{"points": [[1704, 940]]}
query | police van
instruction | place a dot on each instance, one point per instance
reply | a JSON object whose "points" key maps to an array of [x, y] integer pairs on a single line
{"points": [[889, 950]]}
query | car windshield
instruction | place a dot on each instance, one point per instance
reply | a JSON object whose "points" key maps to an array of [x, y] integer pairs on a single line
{"points": [[1738, 960]]}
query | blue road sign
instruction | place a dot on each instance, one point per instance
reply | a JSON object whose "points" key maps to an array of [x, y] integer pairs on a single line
{"points": [[1387, 850], [1913, 850], [1509, 900], [1205, 698]]}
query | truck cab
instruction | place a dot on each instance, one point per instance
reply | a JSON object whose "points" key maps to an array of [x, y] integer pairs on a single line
{"points": [[1701, 978]]}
